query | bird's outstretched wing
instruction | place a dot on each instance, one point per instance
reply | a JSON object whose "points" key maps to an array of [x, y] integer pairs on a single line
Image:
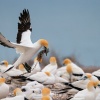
{"points": [[24, 28], [5, 42]]}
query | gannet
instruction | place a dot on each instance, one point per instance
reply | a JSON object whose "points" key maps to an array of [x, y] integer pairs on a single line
{"points": [[89, 76], [35, 84], [4, 89], [4, 65], [24, 45], [80, 84], [71, 72], [86, 94], [97, 74], [22, 68], [45, 95], [36, 66], [52, 67], [19, 95], [44, 78]]}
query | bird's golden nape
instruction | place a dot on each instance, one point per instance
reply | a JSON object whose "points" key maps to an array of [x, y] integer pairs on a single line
{"points": [[53, 60], [45, 91], [90, 85], [67, 61], [17, 90], [5, 63], [69, 68], [96, 83], [2, 80], [44, 43], [89, 75], [21, 67], [47, 73]]}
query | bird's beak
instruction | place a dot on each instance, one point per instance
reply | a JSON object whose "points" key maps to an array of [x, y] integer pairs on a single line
{"points": [[46, 50]]}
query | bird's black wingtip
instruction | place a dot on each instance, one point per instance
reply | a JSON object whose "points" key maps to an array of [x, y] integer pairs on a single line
{"points": [[8, 69]]}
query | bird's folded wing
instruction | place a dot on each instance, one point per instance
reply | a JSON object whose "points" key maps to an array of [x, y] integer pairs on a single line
{"points": [[5, 42]]}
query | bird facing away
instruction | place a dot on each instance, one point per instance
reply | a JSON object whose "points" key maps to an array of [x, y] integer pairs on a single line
{"points": [[52, 67], [24, 45]]}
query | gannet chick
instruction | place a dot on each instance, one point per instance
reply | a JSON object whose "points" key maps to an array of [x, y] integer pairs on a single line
{"points": [[52, 67]]}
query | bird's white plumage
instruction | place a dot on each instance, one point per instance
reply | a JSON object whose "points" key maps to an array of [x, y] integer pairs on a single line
{"points": [[45, 79], [86, 94], [50, 68], [4, 90], [26, 38]]}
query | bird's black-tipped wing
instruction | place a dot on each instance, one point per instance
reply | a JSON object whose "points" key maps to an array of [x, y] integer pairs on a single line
{"points": [[5, 42], [23, 25]]}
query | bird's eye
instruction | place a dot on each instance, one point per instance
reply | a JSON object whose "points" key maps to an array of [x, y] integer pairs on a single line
{"points": [[33, 91], [85, 76], [23, 90]]}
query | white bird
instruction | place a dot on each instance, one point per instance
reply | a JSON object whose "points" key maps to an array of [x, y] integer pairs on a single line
{"points": [[97, 74], [97, 84], [19, 95], [44, 78], [24, 45], [80, 84], [45, 95], [22, 68], [35, 67], [86, 94], [32, 85], [4, 65], [70, 71], [52, 67], [89, 76], [4, 89]]}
